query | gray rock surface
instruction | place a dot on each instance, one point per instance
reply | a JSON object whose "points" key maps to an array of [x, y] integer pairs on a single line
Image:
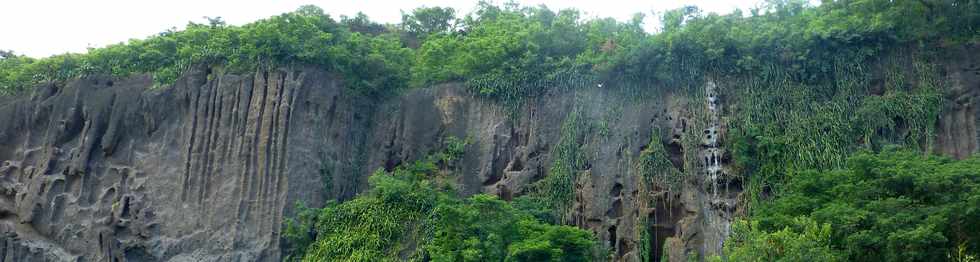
{"points": [[957, 132], [109, 170]]}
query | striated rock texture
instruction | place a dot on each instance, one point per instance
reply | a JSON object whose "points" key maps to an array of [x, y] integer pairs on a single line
{"points": [[103, 170], [112, 170], [957, 130]]}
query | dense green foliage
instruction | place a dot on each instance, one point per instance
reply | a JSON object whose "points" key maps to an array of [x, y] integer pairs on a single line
{"points": [[412, 213], [513, 52], [425, 21], [893, 206], [802, 240], [371, 61]]}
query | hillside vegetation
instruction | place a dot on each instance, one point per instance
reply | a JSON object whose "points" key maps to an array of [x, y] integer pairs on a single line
{"points": [[512, 42], [413, 213]]}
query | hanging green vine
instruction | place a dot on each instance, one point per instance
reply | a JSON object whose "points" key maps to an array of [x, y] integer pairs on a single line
{"points": [[654, 165], [558, 187], [779, 125]]}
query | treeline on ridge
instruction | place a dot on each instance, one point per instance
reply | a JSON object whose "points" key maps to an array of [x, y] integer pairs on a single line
{"points": [[509, 42]]}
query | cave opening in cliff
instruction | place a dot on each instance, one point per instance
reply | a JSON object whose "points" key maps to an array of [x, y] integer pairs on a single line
{"points": [[675, 153], [661, 225], [612, 237]]}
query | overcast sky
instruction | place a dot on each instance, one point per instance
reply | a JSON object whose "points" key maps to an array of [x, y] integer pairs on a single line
{"points": [[40, 28]]}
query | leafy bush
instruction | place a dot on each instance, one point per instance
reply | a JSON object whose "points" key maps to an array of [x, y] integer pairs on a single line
{"points": [[411, 213], [298, 232], [803, 240], [894, 206], [374, 226]]}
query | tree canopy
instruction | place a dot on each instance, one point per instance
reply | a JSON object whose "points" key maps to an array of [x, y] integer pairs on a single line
{"points": [[511, 42], [371, 61]]}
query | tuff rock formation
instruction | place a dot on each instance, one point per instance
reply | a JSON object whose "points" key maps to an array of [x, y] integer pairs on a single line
{"points": [[106, 169]]}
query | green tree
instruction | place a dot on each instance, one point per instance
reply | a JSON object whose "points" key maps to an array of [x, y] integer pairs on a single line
{"points": [[425, 21]]}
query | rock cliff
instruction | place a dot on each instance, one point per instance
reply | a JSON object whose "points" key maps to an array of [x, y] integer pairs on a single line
{"points": [[103, 169]]}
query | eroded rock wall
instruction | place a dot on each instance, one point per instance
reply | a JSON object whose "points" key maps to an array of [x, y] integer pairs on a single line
{"points": [[110, 170], [206, 170], [610, 129], [105, 169], [957, 132]]}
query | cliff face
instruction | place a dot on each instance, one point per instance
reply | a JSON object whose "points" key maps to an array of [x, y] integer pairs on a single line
{"points": [[609, 131], [110, 170], [957, 132]]}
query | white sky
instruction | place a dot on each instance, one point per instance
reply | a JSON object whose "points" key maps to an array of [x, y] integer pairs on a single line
{"points": [[40, 28]]}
